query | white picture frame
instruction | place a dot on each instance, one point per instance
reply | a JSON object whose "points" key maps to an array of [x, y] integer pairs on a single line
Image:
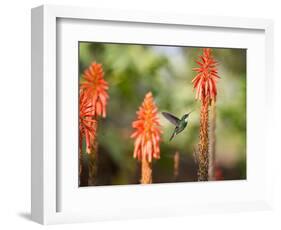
{"points": [[55, 200]]}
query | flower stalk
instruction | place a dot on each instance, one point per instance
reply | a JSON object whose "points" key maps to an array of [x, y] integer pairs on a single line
{"points": [[212, 155], [93, 99], [176, 164], [205, 83], [203, 158], [147, 137], [146, 171]]}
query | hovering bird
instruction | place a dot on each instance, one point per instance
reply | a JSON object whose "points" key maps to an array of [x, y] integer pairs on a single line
{"points": [[179, 123]]}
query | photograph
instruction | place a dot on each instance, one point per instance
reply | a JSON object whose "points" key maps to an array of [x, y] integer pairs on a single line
{"points": [[151, 114]]}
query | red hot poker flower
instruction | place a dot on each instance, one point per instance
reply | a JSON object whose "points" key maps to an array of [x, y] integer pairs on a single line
{"points": [[96, 87], [147, 133], [205, 82], [87, 125]]}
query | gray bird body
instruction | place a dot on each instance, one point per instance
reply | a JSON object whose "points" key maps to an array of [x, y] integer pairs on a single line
{"points": [[179, 123]]}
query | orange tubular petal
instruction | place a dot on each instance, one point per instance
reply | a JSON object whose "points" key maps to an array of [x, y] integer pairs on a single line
{"points": [[205, 80], [134, 134], [98, 108], [96, 87], [196, 77], [104, 112], [147, 129], [136, 148], [199, 63], [196, 82], [102, 98], [87, 125]]}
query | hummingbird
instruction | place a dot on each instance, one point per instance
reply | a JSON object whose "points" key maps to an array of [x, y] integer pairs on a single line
{"points": [[179, 123]]}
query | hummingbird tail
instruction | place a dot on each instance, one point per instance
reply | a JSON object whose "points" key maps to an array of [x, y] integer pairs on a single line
{"points": [[173, 135]]}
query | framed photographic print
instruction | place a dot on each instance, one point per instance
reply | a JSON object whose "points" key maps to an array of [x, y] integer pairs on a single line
{"points": [[137, 114]]}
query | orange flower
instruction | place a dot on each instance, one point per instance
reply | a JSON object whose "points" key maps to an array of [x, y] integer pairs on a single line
{"points": [[96, 87], [207, 75], [147, 133], [87, 125]]}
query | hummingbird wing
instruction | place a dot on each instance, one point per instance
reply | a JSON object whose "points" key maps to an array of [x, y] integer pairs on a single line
{"points": [[170, 117]]}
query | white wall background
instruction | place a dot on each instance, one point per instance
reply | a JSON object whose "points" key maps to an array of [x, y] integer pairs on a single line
{"points": [[15, 113]]}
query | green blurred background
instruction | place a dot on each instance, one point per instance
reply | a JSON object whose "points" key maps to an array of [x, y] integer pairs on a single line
{"points": [[132, 71]]}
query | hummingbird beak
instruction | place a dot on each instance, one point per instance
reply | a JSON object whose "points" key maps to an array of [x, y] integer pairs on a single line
{"points": [[190, 112]]}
